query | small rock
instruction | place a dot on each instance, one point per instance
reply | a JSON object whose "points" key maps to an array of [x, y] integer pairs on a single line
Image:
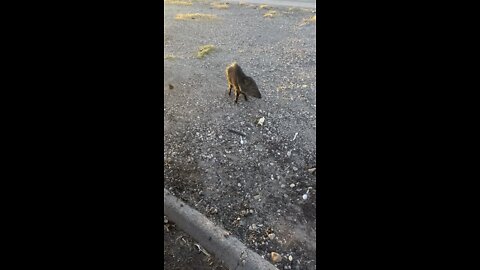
{"points": [[292, 185], [312, 170], [282, 186], [239, 185], [276, 257], [170, 86], [305, 196], [256, 197], [260, 121], [290, 258], [271, 236], [295, 168], [289, 153], [165, 219]]}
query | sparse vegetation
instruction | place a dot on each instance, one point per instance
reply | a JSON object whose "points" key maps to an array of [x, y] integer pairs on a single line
{"points": [[220, 5], [263, 7], [311, 20], [247, 5], [292, 10], [178, 2], [193, 16], [169, 57], [270, 14], [204, 50]]}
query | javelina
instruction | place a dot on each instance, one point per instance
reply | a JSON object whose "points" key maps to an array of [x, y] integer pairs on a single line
{"points": [[241, 83]]}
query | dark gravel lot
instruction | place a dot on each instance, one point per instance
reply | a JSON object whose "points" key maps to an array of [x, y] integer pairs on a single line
{"points": [[180, 252], [252, 185]]}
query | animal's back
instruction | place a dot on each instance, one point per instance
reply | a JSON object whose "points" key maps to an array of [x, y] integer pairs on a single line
{"points": [[234, 74]]}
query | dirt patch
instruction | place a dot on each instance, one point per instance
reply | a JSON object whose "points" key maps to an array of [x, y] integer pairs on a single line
{"points": [[256, 186], [181, 252]]}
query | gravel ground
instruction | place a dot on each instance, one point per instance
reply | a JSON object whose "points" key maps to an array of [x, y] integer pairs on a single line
{"points": [[257, 186], [181, 252]]}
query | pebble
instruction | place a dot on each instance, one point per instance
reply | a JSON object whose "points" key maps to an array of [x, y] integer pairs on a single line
{"points": [[292, 185], [165, 219], [295, 168], [271, 236], [276, 257], [282, 186], [305, 196], [239, 185], [290, 258], [289, 153]]}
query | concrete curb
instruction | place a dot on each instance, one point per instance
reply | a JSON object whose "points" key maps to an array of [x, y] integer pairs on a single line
{"points": [[233, 253]]}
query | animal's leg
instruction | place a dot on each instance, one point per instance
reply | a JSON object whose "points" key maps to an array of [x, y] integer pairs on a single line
{"points": [[240, 89], [237, 94], [229, 89]]}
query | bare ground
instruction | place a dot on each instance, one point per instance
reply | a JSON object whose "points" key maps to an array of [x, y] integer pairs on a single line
{"points": [[181, 252], [253, 186]]}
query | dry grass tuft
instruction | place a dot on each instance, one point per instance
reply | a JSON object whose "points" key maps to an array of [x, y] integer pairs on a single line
{"points": [[204, 50], [247, 5], [270, 14], [220, 5], [178, 2], [195, 16], [169, 57], [311, 20]]}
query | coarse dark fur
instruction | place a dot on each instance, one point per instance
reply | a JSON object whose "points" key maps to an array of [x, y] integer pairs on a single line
{"points": [[241, 83]]}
